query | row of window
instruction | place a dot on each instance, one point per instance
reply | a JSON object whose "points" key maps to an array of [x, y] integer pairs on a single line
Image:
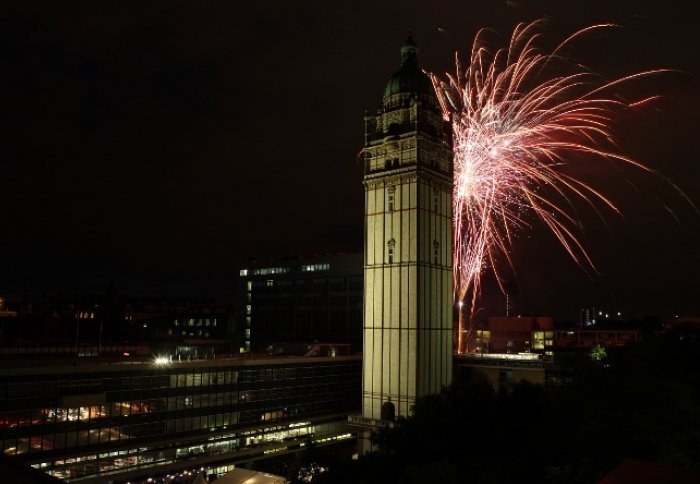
{"points": [[264, 271], [195, 322], [206, 379], [407, 159], [265, 407], [12, 422], [391, 247], [107, 463], [391, 199], [315, 267], [317, 393], [334, 283]]}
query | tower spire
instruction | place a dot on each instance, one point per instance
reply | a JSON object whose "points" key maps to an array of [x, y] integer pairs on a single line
{"points": [[409, 51]]}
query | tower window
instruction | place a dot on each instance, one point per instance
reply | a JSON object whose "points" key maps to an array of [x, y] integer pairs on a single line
{"points": [[436, 251], [391, 192], [390, 246]]}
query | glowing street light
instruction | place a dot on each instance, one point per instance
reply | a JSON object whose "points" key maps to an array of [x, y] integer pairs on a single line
{"points": [[162, 360]]}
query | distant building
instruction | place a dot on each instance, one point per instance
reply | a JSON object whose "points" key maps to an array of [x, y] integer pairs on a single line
{"points": [[523, 335], [5, 312], [513, 335], [190, 332], [508, 350], [92, 326], [631, 470], [501, 371], [305, 300], [591, 316], [7, 320], [588, 338]]}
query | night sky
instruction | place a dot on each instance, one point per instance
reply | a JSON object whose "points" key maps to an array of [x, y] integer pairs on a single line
{"points": [[159, 145]]}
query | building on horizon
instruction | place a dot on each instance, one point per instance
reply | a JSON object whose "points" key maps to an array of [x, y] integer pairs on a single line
{"points": [[514, 335], [592, 315], [99, 325]]}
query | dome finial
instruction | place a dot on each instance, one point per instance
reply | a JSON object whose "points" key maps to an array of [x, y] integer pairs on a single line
{"points": [[409, 78], [409, 50]]}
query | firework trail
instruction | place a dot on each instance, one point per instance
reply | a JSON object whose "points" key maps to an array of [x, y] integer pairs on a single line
{"points": [[518, 115]]}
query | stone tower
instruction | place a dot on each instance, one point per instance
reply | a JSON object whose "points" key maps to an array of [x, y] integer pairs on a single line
{"points": [[408, 247]]}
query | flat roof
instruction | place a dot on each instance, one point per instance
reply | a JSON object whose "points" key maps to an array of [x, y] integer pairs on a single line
{"points": [[54, 366]]}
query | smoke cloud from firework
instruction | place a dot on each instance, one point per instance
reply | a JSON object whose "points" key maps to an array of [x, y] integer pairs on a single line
{"points": [[518, 115]]}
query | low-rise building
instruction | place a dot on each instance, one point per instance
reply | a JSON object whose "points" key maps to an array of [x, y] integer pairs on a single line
{"points": [[502, 371], [92, 419], [513, 335]]}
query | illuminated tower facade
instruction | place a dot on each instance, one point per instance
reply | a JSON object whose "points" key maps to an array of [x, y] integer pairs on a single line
{"points": [[408, 246]]}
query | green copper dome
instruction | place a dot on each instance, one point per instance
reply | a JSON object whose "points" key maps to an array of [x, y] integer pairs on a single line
{"points": [[409, 78]]}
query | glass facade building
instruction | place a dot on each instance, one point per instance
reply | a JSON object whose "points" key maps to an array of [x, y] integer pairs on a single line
{"points": [[89, 420]]}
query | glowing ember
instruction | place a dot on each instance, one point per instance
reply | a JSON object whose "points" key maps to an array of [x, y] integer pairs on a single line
{"points": [[518, 115]]}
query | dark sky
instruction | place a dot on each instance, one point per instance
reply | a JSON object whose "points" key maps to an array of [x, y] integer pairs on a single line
{"points": [[159, 145]]}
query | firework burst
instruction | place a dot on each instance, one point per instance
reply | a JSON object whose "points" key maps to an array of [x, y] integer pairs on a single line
{"points": [[518, 116]]}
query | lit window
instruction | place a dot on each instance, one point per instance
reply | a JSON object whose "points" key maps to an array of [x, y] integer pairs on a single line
{"points": [[315, 267], [391, 192], [244, 272], [266, 271]]}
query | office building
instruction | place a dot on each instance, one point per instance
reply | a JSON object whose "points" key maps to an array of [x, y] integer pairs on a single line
{"points": [[303, 300], [96, 419]]}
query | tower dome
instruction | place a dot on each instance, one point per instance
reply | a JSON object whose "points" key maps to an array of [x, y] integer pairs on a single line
{"points": [[409, 78]]}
